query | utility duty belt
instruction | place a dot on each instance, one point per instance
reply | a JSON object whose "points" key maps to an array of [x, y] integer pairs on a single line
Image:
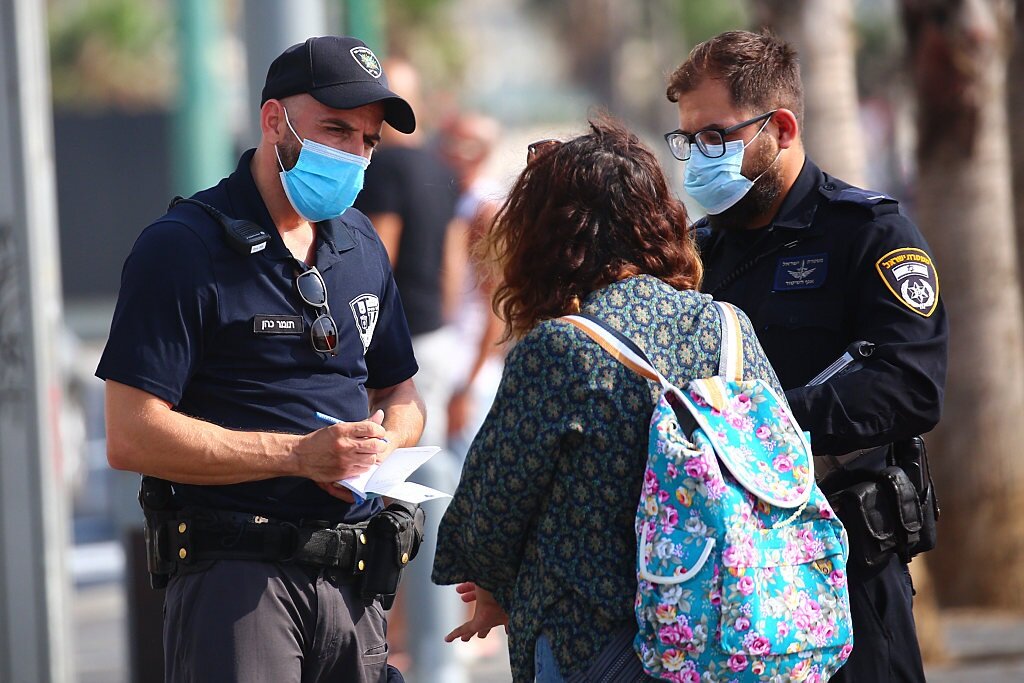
{"points": [[373, 552], [892, 511]]}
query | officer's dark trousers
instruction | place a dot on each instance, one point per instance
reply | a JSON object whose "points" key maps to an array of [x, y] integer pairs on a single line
{"points": [[261, 622], [885, 648]]}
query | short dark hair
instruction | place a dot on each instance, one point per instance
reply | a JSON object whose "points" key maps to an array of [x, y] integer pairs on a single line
{"points": [[582, 215], [761, 70]]}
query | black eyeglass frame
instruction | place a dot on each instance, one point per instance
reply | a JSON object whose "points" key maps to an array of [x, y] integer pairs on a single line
{"points": [[322, 309], [702, 145], [535, 148]]}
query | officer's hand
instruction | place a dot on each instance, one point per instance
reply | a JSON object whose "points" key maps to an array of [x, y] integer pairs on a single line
{"points": [[342, 450]]}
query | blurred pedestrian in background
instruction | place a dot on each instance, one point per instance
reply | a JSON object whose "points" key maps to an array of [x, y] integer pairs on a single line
{"points": [[466, 142]]}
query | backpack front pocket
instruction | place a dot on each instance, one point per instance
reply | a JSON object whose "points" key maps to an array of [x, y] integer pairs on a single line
{"points": [[676, 572], [782, 591]]}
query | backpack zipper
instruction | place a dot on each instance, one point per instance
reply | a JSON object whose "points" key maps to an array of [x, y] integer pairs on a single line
{"points": [[613, 671]]}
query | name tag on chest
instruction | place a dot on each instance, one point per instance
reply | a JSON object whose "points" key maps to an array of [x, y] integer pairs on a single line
{"points": [[277, 324], [801, 272]]}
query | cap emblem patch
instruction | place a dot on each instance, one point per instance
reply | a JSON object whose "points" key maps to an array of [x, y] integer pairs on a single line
{"points": [[367, 60], [910, 275]]}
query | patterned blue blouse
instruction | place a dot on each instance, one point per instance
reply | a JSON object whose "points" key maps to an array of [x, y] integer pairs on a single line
{"points": [[543, 515]]}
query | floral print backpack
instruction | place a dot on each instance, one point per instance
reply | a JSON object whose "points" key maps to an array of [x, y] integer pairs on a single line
{"points": [[741, 563]]}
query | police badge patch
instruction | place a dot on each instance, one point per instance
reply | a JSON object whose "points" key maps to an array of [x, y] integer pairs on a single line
{"points": [[365, 309], [367, 60], [801, 272], [910, 276]]}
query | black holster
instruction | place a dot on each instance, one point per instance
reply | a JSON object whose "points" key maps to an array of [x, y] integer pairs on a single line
{"points": [[912, 456], [396, 534], [158, 506], [892, 511]]}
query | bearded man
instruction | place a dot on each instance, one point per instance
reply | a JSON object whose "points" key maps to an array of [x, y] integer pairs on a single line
{"points": [[817, 265]]}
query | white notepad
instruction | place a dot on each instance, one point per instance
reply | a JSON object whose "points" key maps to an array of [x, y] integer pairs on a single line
{"points": [[389, 477]]}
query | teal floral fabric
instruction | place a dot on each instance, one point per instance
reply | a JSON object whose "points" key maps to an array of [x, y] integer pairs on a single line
{"points": [[743, 576], [543, 515]]}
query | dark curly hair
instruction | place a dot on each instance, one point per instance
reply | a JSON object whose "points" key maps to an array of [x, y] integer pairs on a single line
{"points": [[583, 214]]}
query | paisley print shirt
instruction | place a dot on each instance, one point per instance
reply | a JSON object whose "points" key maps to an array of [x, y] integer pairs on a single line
{"points": [[543, 515]]}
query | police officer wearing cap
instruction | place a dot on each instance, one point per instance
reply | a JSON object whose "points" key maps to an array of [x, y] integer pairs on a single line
{"points": [[244, 312], [816, 264]]}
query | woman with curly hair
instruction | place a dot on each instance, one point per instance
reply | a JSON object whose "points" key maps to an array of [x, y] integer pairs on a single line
{"points": [[540, 529]]}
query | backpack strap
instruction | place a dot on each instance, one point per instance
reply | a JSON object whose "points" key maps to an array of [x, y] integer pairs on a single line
{"points": [[621, 347], [730, 363], [624, 350]]}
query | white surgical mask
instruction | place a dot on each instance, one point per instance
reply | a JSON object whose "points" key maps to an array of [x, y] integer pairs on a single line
{"points": [[718, 183], [324, 182]]}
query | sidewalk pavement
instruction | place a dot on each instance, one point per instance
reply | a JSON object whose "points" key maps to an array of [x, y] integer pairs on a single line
{"points": [[984, 647]]}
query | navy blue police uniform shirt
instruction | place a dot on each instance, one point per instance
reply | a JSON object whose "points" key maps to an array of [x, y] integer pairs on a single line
{"points": [[840, 264], [225, 337]]}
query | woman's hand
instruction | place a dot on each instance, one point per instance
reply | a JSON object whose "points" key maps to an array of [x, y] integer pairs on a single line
{"points": [[466, 591], [487, 614]]}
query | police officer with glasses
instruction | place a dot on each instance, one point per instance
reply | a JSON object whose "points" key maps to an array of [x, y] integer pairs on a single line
{"points": [[817, 265]]}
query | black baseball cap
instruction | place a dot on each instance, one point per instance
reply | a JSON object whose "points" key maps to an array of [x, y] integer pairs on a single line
{"points": [[340, 72]]}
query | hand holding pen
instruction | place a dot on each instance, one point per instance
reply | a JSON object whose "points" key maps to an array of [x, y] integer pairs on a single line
{"points": [[341, 450]]}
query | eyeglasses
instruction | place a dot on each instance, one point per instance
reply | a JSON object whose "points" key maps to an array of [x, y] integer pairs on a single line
{"points": [[313, 290], [710, 141], [539, 147]]}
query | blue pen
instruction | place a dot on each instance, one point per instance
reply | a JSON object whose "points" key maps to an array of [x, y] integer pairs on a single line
{"points": [[330, 419]]}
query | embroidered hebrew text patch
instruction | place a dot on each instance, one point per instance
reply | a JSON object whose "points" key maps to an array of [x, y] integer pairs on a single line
{"points": [[277, 324], [801, 272]]}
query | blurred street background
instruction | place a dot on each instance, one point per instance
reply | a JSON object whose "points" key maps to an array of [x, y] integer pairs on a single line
{"points": [[112, 107]]}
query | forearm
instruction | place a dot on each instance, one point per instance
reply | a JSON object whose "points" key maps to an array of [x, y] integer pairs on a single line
{"points": [[867, 408], [144, 434], [403, 412], [490, 345]]}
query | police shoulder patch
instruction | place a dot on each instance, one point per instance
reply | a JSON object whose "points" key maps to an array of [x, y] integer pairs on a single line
{"points": [[365, 309], [910, 275]]}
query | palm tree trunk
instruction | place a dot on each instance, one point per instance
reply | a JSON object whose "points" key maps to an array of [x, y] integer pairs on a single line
{"points": [[958, 51], [822, 33], [1015, 86]]}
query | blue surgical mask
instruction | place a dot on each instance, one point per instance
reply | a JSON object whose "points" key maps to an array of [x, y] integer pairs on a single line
{"points": [[718, 183], [324, 181]]}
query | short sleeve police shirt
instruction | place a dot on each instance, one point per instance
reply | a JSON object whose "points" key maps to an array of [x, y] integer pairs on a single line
{"points": [[225, 337]]}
